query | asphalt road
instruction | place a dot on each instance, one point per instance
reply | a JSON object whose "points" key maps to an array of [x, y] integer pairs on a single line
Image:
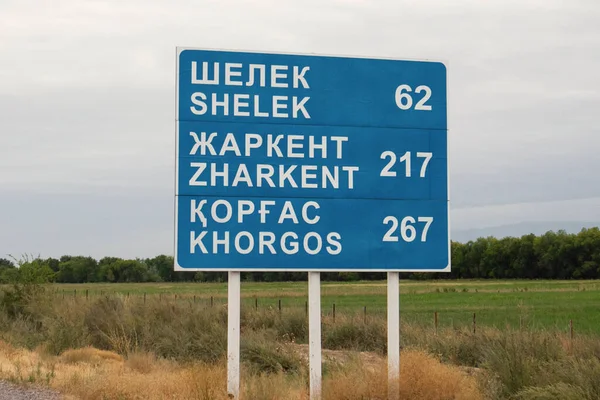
{"points": [[10, 391]]}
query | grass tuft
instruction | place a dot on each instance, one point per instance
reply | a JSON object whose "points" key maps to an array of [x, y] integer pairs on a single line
{"points": [[353, 334], [89, 355]]}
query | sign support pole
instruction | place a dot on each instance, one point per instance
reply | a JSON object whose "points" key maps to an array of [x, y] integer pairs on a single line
{"points": [[393, 317], [233, 335], [314, 333]]}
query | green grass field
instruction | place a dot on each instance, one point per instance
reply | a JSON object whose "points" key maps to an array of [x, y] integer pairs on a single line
{"points": [[529, 304]]}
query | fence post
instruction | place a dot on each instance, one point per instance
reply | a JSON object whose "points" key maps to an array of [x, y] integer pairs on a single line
{"points": [[256, 303], [520, 322], [571, 334], [435, 322], [571, 329], [474, 324], [279, 306], [334, 312], [211, 301]]}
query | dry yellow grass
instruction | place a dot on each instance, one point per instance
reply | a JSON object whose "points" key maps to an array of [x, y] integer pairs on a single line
{"points": [[91, 374], [89, 355], [421, 377]]}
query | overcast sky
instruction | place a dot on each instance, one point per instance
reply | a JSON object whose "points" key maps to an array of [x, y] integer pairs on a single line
{"points": [[87, 106]]}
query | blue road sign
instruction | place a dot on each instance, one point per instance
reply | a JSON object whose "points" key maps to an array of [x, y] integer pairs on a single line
{"points": [[291, 162]]}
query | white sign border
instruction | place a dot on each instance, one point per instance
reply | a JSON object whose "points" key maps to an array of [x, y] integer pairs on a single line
{"points": [[178, 268]]}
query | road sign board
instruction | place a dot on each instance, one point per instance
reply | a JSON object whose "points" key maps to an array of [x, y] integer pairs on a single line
{"points": [[310, 163]]}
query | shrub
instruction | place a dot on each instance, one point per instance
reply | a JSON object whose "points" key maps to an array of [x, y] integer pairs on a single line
{"points": [[516, 357], [354, 334], [421, 377], [555, 391], [261, 355]]}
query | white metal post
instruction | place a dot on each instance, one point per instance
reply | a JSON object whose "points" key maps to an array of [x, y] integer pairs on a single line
{"points": [[314, 333], [233, 335], [393, 307]]}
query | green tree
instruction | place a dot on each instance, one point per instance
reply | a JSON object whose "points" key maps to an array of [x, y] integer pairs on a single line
{"points": [[77, 269], [36, 272], [4, 263], [163, 265], [131, 271], [8, 272]]}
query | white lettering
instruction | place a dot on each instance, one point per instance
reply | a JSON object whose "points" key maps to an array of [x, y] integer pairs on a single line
{"points": [[270, 175], [238, 104], [245, 207], [288, 212], [216, 103], [294, 245], [199, 99], [291, 146], [261, 70], [203, 143], [242, 175], [280, 105], [238, 238], [258, 140], [214, 174], [230, 144], [214, 211], [299, 77], [260, 175], [306, 176], [196, 211], [245, 242], [339, 140], [204, 80], [286, 174], [273, 145], [217, 242], [229, 73], [263, 209], [335, 247], [333, 179], [257, 112], [312, 146], [276, 75], [307, 248], [350, 171], [277, 106], [305, 207], [194, 179], [299, 107], [197, 241], [266, 239]]}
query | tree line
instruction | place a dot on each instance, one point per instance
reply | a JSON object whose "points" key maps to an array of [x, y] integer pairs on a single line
{"points": [[553, 255]]}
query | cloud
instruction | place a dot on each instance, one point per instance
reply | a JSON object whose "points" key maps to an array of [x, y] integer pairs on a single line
{"points": [[540, 211], [87, 99]]}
